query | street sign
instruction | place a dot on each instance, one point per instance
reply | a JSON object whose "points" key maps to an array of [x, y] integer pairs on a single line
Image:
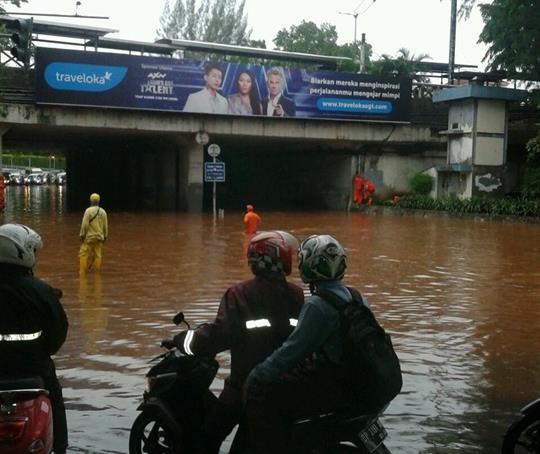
{"points": [[202, 138], [214, 172], [214, 150]]}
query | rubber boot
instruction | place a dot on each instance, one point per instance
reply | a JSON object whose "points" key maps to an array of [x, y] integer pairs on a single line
{"points": [[83, 263]]}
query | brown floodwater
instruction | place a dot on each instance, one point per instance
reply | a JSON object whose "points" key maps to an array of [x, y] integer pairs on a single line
{"points": [[460, 297]]}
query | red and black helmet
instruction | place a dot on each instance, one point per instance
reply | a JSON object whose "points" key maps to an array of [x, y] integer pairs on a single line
{"points": [[271, 252]]}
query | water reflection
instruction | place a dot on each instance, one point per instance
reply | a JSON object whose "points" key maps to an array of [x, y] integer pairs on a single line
{"points": [[461, 299], [94, 317]]}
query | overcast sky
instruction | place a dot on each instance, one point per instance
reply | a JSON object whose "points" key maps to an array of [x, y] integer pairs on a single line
{"points": [[422, 26]]}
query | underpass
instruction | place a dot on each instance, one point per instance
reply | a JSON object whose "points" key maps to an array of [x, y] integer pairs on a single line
{"points": [[150, 160]]}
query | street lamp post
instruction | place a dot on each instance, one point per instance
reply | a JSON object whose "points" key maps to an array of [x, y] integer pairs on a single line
{"points": [[355, 15]]}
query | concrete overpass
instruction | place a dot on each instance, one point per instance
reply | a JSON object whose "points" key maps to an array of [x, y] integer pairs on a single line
{"points": [[150, 160]]}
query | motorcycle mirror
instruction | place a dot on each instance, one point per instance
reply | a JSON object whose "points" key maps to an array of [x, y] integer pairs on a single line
{"points": [[178, 318]]}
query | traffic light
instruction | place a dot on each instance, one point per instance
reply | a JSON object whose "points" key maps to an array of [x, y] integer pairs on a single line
{"points": [[22, 39]]}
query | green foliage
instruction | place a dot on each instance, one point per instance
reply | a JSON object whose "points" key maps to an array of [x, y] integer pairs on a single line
{"points": [[217, 21], [310, 38], [531, 178], [405, 64], [421, 183], [16, 3], [512, 32], [492, 207], [5, 43], [31, 160]]}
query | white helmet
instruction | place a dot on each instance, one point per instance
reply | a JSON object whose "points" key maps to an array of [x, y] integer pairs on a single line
{"points": [[18, 244]]}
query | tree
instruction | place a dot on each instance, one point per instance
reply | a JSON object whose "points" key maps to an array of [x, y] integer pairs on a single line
{"points": [[308, 38], [405, 64], [512, 32], [218, 21], [311, 38], [5, 43], [17, 3]]}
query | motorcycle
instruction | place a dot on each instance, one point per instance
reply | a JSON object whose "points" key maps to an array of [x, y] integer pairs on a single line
{"points": [[523, 435], [26, 424], [177, 400]]}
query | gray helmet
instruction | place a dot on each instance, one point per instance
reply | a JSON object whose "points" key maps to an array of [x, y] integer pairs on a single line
{"points": [[321, 258], [18, 244]]}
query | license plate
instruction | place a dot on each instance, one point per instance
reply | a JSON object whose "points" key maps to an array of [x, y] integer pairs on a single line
{"points": [[373, 435]]}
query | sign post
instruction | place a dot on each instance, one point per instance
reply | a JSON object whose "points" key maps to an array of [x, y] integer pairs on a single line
{"points": [[214, 172]]}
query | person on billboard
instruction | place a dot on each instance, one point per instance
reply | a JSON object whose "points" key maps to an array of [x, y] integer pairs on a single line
{"points": [[277, 104], [246, 101], [208, 100]]}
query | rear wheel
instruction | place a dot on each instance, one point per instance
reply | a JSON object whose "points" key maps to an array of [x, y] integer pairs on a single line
{"points": [[523, 436], [150, 434]]}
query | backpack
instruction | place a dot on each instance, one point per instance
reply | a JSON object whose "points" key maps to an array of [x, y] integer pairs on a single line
{"points": [[373, 372]]}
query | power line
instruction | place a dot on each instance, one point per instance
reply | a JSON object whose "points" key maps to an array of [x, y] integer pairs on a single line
{"points": [[359, 5], [370, 5]]}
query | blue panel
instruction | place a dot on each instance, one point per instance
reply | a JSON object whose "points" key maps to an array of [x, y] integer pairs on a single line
{"points": [[158, 83]]}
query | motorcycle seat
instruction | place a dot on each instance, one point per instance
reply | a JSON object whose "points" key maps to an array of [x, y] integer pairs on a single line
{"points": [[20, 383]]}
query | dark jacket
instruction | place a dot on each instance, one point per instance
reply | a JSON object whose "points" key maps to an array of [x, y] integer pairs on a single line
{"points": [[30, 308], [253, 319], [318, 332], [289, 106]]}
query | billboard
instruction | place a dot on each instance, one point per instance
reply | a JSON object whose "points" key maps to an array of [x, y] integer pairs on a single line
{"points": [[124, 81]]}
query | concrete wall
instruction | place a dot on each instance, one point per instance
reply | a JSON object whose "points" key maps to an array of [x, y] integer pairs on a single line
{"points": [[397, 168]]}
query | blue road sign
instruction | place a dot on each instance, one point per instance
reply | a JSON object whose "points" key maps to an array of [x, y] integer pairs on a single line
{"points": [[214, 172]]}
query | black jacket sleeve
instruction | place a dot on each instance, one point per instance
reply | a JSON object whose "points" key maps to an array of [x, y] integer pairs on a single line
{"points": [[55, 322], [211, 338]]}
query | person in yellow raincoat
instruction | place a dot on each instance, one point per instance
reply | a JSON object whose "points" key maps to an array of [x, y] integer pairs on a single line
{"points": [[94, 231]]}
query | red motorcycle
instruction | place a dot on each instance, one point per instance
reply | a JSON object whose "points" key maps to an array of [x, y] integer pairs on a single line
{"points": [[26, 424]]}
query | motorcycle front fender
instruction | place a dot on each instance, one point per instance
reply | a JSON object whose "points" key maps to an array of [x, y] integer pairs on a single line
{"points": [[158, 407], [531, 408]]}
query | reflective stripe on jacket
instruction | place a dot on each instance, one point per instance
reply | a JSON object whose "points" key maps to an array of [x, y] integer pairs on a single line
{"points": [[253, 319]]}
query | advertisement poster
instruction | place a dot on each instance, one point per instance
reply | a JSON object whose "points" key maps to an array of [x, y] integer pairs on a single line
{"points": [[76, 78]]}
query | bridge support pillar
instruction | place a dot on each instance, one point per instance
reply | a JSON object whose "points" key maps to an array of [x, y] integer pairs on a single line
{"points": [[194, 182]]}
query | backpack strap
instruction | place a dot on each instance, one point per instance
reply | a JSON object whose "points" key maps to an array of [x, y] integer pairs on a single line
{"points": [[94, 217], [337, 302]]}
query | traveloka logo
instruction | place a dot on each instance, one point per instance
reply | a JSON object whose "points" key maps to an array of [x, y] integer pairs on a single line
{"points": [[79, 77]]}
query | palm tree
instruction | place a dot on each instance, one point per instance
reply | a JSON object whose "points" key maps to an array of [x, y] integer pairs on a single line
{"points": [[405, 64]]}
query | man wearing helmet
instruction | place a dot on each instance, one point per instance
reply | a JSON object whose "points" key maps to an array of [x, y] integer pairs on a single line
{"points": [[253, 319], [33, 325], [320, 387], [94, 231]]}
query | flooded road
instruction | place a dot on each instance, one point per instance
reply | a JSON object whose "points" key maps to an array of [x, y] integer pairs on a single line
{"points": [[461, 299]]}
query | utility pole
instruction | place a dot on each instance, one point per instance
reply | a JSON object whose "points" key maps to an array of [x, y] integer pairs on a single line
{"points": [[355, 15], [362, 54], [452, 53]]}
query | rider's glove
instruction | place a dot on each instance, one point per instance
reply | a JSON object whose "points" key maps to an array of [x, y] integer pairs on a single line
{"points": [[168, 344]]}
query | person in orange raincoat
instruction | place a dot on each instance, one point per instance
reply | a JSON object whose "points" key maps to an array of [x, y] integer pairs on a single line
{"points": [[369, 189], [251, 220], [358, 184]]}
